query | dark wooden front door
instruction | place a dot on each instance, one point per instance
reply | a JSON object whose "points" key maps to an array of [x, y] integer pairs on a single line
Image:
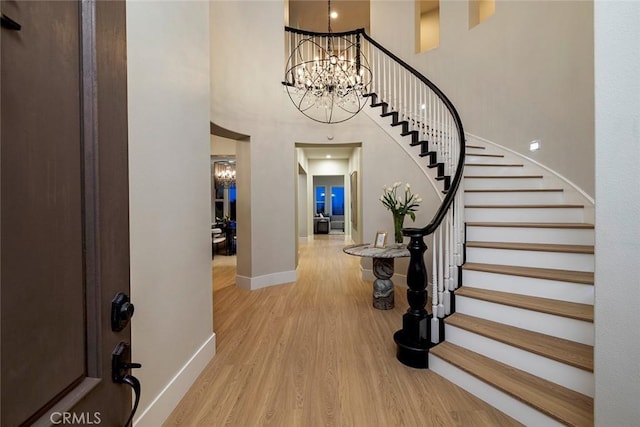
{"points": [[64, 236]]}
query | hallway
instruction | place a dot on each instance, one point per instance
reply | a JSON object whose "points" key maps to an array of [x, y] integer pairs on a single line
{"points": [[316, 353]]}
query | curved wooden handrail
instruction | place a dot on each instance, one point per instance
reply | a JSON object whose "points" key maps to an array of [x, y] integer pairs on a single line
{"points": [[455, 182]]}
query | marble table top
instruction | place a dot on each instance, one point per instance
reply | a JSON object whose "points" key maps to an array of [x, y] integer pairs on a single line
{"points": [[368, 250]]}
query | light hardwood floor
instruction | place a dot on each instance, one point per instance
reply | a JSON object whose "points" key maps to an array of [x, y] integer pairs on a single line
{"points": [[316, 353], [223, 271]]}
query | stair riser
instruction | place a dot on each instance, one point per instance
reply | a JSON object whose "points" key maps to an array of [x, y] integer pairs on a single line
{"points": [[538, 259], [491, 183], [471, 158], [524, 214], [495, 170], [513, 198], [552, 289], [561, 327], [566, 236], [494, 397], [551, 370]]}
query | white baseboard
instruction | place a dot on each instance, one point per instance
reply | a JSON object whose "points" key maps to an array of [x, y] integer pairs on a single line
{"points": [[253, 283], [166, 401]]}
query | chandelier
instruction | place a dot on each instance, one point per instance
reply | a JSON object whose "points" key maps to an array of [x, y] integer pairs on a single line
{"points": [[328, 75], [226, 175]]}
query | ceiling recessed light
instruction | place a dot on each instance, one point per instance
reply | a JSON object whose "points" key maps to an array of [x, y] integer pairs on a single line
{"points": [[334, 15], [328, 156]]}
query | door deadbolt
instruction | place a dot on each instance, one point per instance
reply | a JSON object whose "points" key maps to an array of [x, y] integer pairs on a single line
{"points": [[121, 312]]}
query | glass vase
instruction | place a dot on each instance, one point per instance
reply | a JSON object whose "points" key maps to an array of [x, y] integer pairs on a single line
{"points": [[398, 223]]}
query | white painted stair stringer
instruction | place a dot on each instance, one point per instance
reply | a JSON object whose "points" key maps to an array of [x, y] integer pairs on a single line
{"points": [[567, 376]]}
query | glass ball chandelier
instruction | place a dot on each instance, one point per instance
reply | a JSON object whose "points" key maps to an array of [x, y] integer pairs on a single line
{"points": [[328, 75], [225, 175]]}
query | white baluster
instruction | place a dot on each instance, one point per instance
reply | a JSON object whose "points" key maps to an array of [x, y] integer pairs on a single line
{"points": [[435, 322], [446, 300], [440, 273]]}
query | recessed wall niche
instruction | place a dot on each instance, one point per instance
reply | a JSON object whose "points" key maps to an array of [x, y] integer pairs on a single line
{"points": [[427, 25], [480, 11]]}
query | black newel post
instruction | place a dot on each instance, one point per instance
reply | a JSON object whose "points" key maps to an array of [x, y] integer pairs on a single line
{"points": [[413, 339]]}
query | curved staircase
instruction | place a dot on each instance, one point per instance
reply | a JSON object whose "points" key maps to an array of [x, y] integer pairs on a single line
{"points": [[521, 337], [512, 258]]}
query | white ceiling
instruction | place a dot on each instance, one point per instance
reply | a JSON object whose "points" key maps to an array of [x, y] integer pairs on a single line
{"points": [[312, 15], [321, 152]]}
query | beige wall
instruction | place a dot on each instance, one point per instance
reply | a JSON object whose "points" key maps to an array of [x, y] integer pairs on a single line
{"points": [[255, 104], [221, 146], [617, 345], [168, 101], [526, 73]]}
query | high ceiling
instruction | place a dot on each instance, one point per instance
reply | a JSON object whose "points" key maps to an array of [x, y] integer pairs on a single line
{"points": [[312, 15]]}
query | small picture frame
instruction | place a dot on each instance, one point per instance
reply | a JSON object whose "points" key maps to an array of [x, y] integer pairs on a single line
{"points": [[381, 239]]}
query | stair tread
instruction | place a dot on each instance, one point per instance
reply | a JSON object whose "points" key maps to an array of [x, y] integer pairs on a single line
{"points": [[533, 272], [572, 225], [559, 349], [514, 190], [547, 206], [539, 247], [571, 310], [560, 403], [475, 146]]}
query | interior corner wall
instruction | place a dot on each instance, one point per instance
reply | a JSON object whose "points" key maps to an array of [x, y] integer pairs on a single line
{"points": [[169, 156], [617, 287], [524, 74]]}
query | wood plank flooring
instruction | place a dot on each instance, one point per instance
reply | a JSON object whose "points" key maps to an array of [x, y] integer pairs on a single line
{"points": [[223, 271], [316, 353]]}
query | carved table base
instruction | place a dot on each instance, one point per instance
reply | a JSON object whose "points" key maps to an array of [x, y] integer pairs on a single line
{"points": [[383, 286]]}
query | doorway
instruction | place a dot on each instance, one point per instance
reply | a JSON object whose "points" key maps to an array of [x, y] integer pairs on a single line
{"points": [[230, 207], [328, 201]]}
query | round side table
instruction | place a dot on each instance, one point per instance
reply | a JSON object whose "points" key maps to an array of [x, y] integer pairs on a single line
{"points": [[383, 267]]}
